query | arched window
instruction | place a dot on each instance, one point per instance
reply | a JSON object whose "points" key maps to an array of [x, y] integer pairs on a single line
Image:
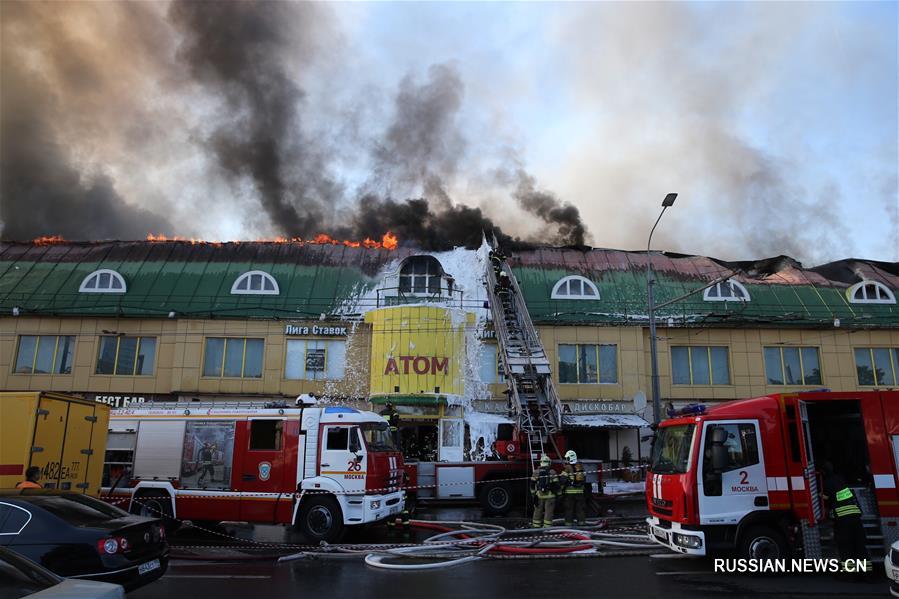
{"points": [[420, 275], [726, 291], [870, 292], [255, 282], [575, 287], [103, 281]]}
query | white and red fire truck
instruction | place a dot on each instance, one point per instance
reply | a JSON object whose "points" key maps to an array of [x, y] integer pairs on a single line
{"points": [[742, 475], [319, 468]]}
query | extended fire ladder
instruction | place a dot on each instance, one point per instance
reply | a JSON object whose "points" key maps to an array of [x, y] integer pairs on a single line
{"points": [[532, 395]]}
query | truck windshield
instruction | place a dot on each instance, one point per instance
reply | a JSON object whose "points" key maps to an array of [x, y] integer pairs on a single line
{"points": [[378, 437], [671, 449]]}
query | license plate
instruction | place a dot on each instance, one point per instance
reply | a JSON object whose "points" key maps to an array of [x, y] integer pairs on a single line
{"points": [[663, 537], [148, 567]]}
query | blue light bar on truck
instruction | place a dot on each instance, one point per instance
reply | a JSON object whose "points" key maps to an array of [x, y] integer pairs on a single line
{"points": [[688, 410]]}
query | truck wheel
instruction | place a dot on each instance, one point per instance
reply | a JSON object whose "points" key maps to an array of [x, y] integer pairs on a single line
{"points": [[156, 505], [763, 542], [320, 519], [496, 498]]}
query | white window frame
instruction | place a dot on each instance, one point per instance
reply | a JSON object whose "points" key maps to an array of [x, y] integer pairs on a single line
{"points": [[730, 285], [864, 299], [432, 263], [247, 276], [95, 276], [585, 282]]}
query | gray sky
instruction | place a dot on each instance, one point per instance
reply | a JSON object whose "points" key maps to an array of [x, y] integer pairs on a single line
{"points": [[775, 122]]}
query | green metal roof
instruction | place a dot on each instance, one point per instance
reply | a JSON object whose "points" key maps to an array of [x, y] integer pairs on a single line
{"points": [[194, 280]]}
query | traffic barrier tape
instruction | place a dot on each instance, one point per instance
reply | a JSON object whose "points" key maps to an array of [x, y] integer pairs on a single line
{"points": [[189, 493]]}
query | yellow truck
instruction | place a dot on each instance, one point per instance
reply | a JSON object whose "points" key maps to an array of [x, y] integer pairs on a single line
{"points": [[64, 436]]}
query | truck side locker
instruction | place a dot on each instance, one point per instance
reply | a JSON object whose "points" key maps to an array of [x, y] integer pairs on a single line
{"points": [[49, 438], [76, 450]]}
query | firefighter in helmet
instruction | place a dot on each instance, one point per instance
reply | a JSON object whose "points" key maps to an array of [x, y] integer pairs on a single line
{"points": [[573, 481], [544, 487], [846, 513], [392, 417]]}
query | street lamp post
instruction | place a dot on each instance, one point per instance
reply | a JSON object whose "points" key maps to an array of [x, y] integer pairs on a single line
{"points": [[653, 351]]}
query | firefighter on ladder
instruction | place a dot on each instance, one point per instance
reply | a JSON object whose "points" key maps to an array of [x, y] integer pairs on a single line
{"points": [[573, 480], [846, 513], [545, 487]]}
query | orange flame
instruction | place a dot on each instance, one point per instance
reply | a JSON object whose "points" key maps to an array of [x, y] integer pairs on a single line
{"points": [[389, 241], [48, 240]]}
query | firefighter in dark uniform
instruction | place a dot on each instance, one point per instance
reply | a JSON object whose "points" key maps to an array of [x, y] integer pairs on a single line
{"points": [[573, 480], [393, 420], [846, 514], [544, 487]]}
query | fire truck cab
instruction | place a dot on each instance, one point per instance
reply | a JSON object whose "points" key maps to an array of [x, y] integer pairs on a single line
{"points": [[319, 468], [743, 475]]}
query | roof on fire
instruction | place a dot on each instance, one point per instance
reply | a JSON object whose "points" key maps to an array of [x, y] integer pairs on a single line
{"points": [[194, 280]]}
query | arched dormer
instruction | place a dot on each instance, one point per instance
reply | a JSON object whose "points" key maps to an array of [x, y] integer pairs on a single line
{"points": [[103, 281], [726, 291], [870, 292], [423, 276], [255, 282], [575, 287]]}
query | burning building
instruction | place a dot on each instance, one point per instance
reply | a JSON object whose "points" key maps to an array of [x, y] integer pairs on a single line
{"points": [[376, 321]]}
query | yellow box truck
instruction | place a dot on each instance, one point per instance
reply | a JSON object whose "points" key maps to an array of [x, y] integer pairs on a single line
{"points": [[64, 436]]}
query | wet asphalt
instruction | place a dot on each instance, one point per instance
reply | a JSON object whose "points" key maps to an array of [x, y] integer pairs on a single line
{"points": [[208, 564]]}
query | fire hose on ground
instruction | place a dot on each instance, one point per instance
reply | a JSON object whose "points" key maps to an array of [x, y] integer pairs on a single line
{"points": [[471, 541]]}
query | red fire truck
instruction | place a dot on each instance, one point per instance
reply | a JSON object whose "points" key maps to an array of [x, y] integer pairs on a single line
{"points": [[742, 475], [321, 469]]}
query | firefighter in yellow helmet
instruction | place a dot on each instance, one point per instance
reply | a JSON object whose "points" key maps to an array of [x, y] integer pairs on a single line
{"points": [[573, 480], [544, 487]]}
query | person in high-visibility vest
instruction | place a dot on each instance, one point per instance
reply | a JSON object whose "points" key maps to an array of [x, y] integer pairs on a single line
{"points": [[32, 475], [544, 487], [846, 513], [573, 479]]}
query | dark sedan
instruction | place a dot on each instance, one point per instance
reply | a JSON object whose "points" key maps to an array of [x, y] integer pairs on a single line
{"points": [[77, 536]]}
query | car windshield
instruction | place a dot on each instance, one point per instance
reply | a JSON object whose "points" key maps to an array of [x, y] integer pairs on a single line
{"points": [[671, 449], [77, 510], [378, 437], [20, 577]]}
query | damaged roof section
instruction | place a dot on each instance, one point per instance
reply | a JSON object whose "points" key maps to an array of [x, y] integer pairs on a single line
{"points": [[194, 280], [781, 291]]}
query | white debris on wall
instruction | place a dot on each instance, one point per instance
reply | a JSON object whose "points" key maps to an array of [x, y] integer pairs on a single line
{"points": [[482, 430]]}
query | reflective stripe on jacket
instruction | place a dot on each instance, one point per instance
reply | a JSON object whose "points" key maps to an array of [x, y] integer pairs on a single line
{"points": [[845, 504], [574, 479]]}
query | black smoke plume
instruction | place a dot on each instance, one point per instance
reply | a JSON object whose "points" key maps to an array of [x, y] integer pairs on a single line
{"points": [[570, 229], [42, 191], [416, 223], [238, 51]]}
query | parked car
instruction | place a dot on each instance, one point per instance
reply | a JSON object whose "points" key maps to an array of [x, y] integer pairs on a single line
{"points": [[76, 536], [21, 577], [891, 565]]}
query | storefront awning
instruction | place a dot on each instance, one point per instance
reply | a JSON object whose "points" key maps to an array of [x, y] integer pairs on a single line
{"points": [[603, 421]]}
